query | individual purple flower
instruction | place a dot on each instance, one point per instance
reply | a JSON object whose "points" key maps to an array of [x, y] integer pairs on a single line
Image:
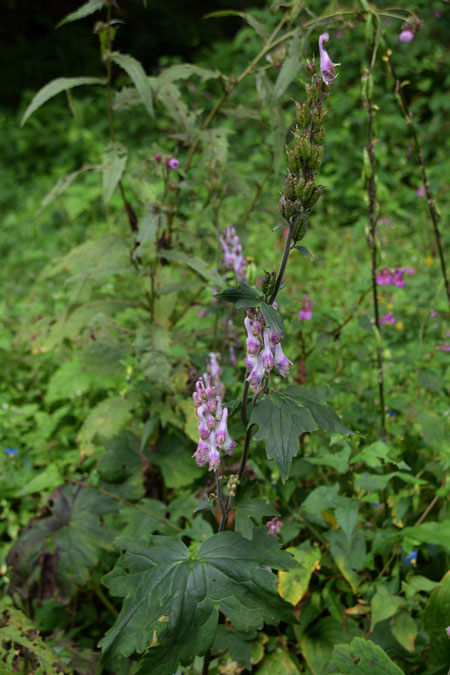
{"points": [[11, 452], [326, 64], [222, 429], [447, 630], [306, 309], [420, 192], [213, 366], [443, 348], [388, 318], [233, 357], [252, 341], [406, 35], [257, 374], [397, 278], [201, 454], [250, 361], [173, 163], [267, 356], [282, 362], [384, 277], [213, 455], [203, 428], [434, 313], [157, 157], [274, 525]]}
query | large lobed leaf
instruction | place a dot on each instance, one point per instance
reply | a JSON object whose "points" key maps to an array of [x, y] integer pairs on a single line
{"points": [[172, 596], [283, 417]]}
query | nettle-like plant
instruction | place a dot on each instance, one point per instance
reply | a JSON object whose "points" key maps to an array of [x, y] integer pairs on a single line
{"points": [[175, 595]]}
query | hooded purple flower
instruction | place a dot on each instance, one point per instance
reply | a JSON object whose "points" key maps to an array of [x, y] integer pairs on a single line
{"points": [[326, 64], [282, 362], [201, 454], [274, 525], [267, 356]]}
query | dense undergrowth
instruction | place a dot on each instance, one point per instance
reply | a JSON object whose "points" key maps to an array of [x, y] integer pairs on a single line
{"points": [[108, 319]]}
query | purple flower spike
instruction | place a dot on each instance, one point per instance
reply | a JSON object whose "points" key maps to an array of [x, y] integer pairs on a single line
{"points": [[173, 163], [326, 64], [267, 356], [282, 362], [406, 35]]}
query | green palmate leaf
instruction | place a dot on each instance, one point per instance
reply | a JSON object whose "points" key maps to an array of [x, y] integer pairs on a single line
{"points": [[436, 619], [85, 10], [172, 597], [282, 418], [241, 296], [363, 657], [56, 87], [73, 529], [16, 628], [249, 509], [114, 162], [272, 318], [135, 71]]}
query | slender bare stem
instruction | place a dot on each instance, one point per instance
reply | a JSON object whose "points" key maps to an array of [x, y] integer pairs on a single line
{"points": [[434, 216]]}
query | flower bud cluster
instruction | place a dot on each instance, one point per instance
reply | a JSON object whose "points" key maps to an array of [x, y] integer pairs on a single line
{"points": [[305, 157], [232, 252], [274, 526], [214, 438], [233, 482], [264, 351]]}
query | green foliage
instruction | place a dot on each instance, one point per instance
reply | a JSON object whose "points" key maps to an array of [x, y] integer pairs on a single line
{"points": [[110, 264], [173, 595], [282, 418]]}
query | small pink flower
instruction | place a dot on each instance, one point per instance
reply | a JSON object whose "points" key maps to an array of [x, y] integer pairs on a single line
{"points": [[406, 35], [173, 163], [326, 64], [157, 157], [306, 309], [443, 348], [434, 313], [388, 318], [274, 525], [420, 192], [384, 277]]}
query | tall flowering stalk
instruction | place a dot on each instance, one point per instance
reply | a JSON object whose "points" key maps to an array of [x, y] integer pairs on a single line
{"points": [[264, 350]]}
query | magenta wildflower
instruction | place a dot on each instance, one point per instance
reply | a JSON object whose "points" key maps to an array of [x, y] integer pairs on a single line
{"points": [[388, 318], [173, 163], [306, 309], [434, 313], [326, 64], [420, 192], [157, 157], [443, 348], [406, 35], [384, 277], [274, 525]]}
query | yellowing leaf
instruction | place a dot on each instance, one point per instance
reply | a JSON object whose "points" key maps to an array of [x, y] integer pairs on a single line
{"points": [[294, 583]]}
